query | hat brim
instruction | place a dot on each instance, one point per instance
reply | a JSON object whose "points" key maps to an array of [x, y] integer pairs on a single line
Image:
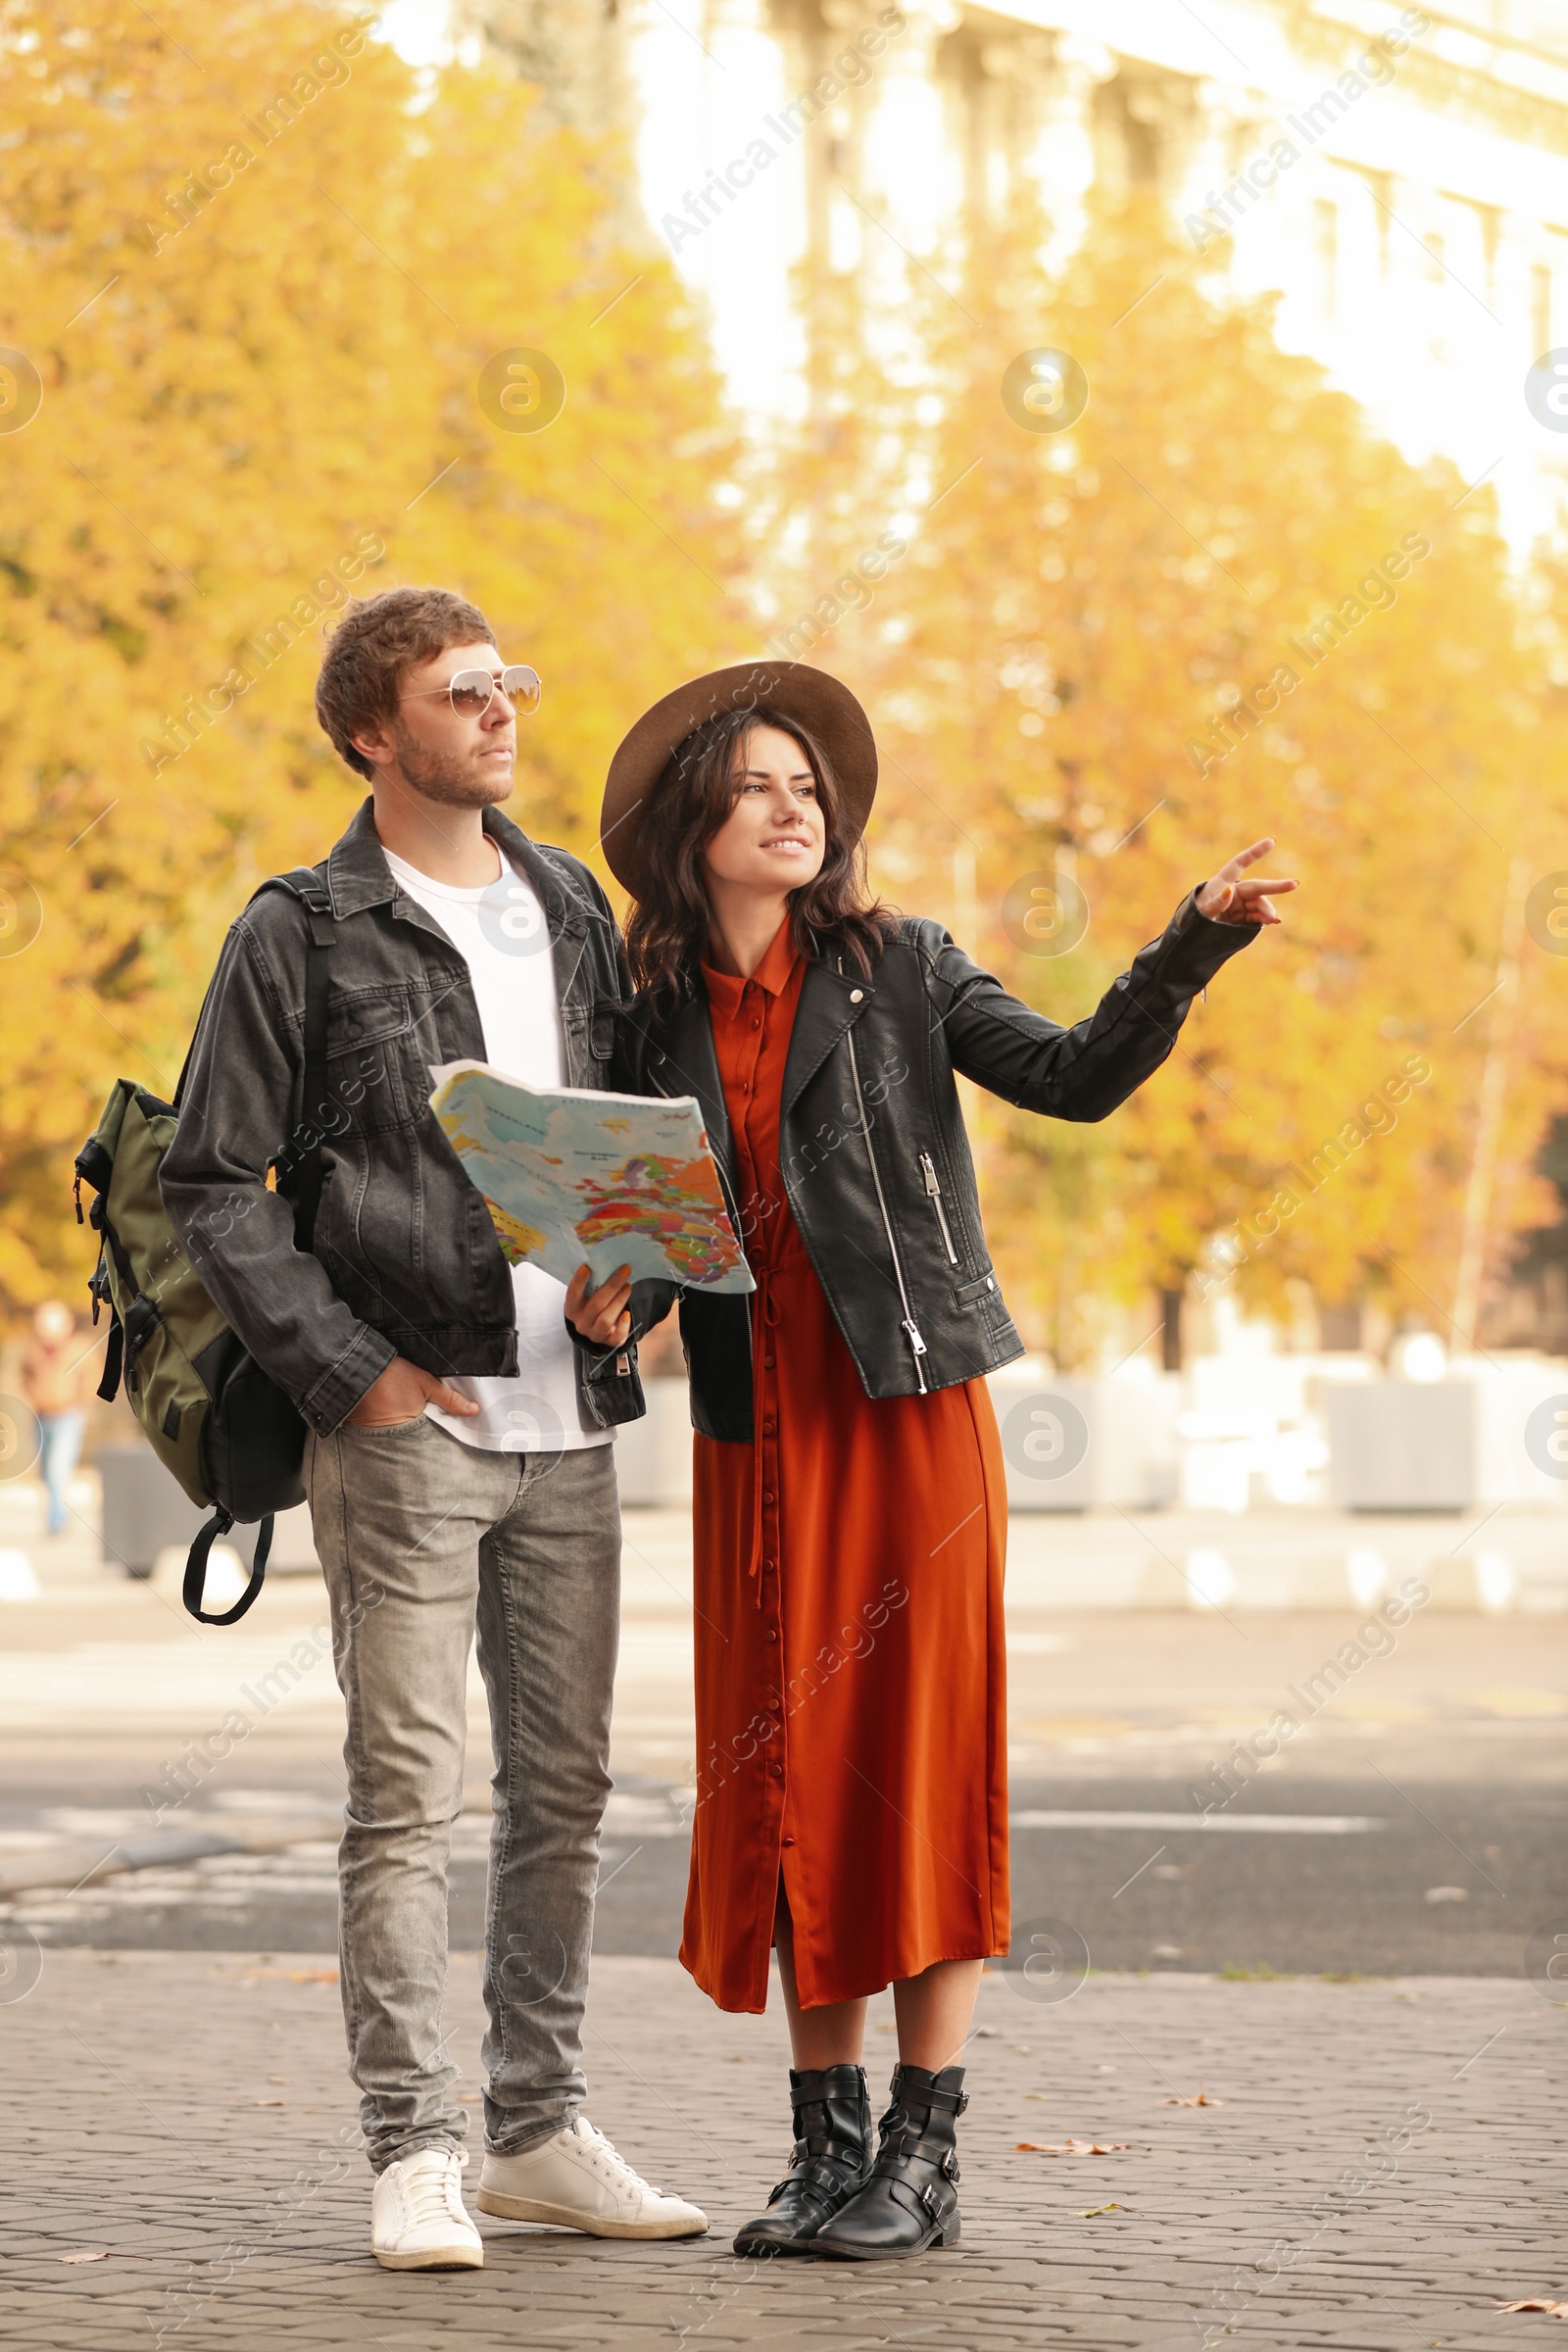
{"points": [[827, 709]]}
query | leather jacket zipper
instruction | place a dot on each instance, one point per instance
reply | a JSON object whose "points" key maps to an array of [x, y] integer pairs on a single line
{"points": [[912, 1328], [932, 1192]]}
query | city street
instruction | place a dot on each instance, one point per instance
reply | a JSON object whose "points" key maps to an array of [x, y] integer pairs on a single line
{"points": [[1358, 1936]]}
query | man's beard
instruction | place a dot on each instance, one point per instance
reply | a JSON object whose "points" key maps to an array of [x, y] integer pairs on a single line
{"points": [[447, 778]]}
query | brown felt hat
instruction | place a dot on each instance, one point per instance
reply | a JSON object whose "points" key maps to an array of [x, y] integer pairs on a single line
{"points": [[826, 710]]}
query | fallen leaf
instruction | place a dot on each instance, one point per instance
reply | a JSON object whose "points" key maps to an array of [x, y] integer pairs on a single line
{"points": [[1559, 2311], [292, 1976], [269, 2102], [1071, 2147], [102, 2255], [1200, 2098], [1090, 2211]]}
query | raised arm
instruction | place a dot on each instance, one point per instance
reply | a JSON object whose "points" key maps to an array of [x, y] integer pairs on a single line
{"points": [[1085, 1071]]}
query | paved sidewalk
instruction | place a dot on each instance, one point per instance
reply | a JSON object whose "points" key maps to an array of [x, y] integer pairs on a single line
{"points": [[185, 2117]]}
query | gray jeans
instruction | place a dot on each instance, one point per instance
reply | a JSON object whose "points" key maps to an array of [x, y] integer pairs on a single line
{"points": [[423, 1540]]}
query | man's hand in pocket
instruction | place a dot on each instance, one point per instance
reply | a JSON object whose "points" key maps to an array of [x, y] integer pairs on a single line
{"points": [[402, 1393]]}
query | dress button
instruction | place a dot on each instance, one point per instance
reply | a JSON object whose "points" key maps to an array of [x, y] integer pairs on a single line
{"points": [[767, 1495], [768, 1427], [856, 996], [786, 1841], [775, 1772], [767, 1363], [757, 1024], [770, 1633]]}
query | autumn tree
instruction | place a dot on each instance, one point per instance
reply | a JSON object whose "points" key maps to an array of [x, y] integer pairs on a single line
{"points": [[1210, 607], [283, 325]]}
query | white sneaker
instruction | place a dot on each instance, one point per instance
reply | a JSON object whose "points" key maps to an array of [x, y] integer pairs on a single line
{"points": [[418, 2221], [577, 2179]]}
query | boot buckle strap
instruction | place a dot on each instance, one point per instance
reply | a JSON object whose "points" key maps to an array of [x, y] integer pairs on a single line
{"points": [[922, 2201], [825, 2194]]}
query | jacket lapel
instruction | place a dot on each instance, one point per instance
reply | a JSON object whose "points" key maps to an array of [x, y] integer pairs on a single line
{"points": [[823, 1015], [683, 1060]]}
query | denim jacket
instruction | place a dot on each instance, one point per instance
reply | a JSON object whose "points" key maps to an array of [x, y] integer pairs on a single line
{"points": [[404, 1259]]}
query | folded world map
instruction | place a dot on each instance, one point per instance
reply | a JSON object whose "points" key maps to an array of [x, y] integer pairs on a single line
{"points": [[573, 1178]]}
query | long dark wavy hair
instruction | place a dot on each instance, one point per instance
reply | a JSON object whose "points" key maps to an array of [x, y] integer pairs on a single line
{"points": [[668, 931]]}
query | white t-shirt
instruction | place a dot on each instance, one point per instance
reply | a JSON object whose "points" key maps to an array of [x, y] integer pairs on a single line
{"points": [[501, 934]]}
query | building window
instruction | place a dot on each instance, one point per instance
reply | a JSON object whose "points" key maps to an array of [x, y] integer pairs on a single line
{"points": [[1325, 247], [1539, 309]]}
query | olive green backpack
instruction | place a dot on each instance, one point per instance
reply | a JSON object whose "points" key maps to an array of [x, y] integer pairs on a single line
{"points": [[228, 1432]]}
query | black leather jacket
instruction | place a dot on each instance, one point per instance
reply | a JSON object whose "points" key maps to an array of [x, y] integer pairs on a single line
{"points": [[872, 1151], [406, 1259]]}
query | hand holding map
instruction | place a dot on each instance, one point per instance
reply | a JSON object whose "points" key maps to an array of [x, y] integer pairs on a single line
{"points": [[571, 1176]]}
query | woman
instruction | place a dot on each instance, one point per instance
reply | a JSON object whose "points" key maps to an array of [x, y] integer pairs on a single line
{"points": [[850, 1504]]}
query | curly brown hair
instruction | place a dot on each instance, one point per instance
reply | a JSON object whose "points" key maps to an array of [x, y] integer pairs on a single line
{"points": [[378, 640], [667, 929]]}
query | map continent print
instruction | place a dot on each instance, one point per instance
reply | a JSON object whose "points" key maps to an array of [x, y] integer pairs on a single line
{"points": [[572, 1177]]}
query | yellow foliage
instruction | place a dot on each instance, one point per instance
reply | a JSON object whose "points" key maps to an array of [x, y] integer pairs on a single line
{"points": [[1096, 664], [259, 268]]}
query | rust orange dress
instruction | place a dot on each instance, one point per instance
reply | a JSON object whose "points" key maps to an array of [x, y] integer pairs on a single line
{"points": [[851, 1694]]}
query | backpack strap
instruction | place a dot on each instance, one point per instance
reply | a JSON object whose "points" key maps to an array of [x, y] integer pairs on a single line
{"points": [[130, 1332], [114, 1358], [299, 1159], [298, 1163], [318, 909], [196, 1569]]}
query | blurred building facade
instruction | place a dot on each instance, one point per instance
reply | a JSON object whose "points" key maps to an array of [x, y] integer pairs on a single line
{"points": [[1399, 176], [1411, 208]]}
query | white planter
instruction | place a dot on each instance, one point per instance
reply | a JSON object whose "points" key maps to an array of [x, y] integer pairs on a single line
{"points": [[1486, 1434], [1083, 1444], [146, 1511]]}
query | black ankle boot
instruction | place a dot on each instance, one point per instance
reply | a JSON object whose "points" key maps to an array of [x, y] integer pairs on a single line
{"points": [[911, 2199], [832, 2159]]}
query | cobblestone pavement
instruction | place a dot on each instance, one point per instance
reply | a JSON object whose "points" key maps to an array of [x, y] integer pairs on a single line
{"points": [[1377, 2165]]}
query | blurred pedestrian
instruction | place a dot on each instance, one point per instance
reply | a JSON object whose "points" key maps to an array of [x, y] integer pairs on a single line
{"points": [[850, 1498], [59, 1373]]}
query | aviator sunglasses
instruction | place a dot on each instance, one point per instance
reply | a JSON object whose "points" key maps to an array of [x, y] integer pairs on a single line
{"points": [[469, 689]]}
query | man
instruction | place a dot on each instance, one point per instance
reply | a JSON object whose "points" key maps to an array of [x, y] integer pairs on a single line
{"points": [[458, 1455]]}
